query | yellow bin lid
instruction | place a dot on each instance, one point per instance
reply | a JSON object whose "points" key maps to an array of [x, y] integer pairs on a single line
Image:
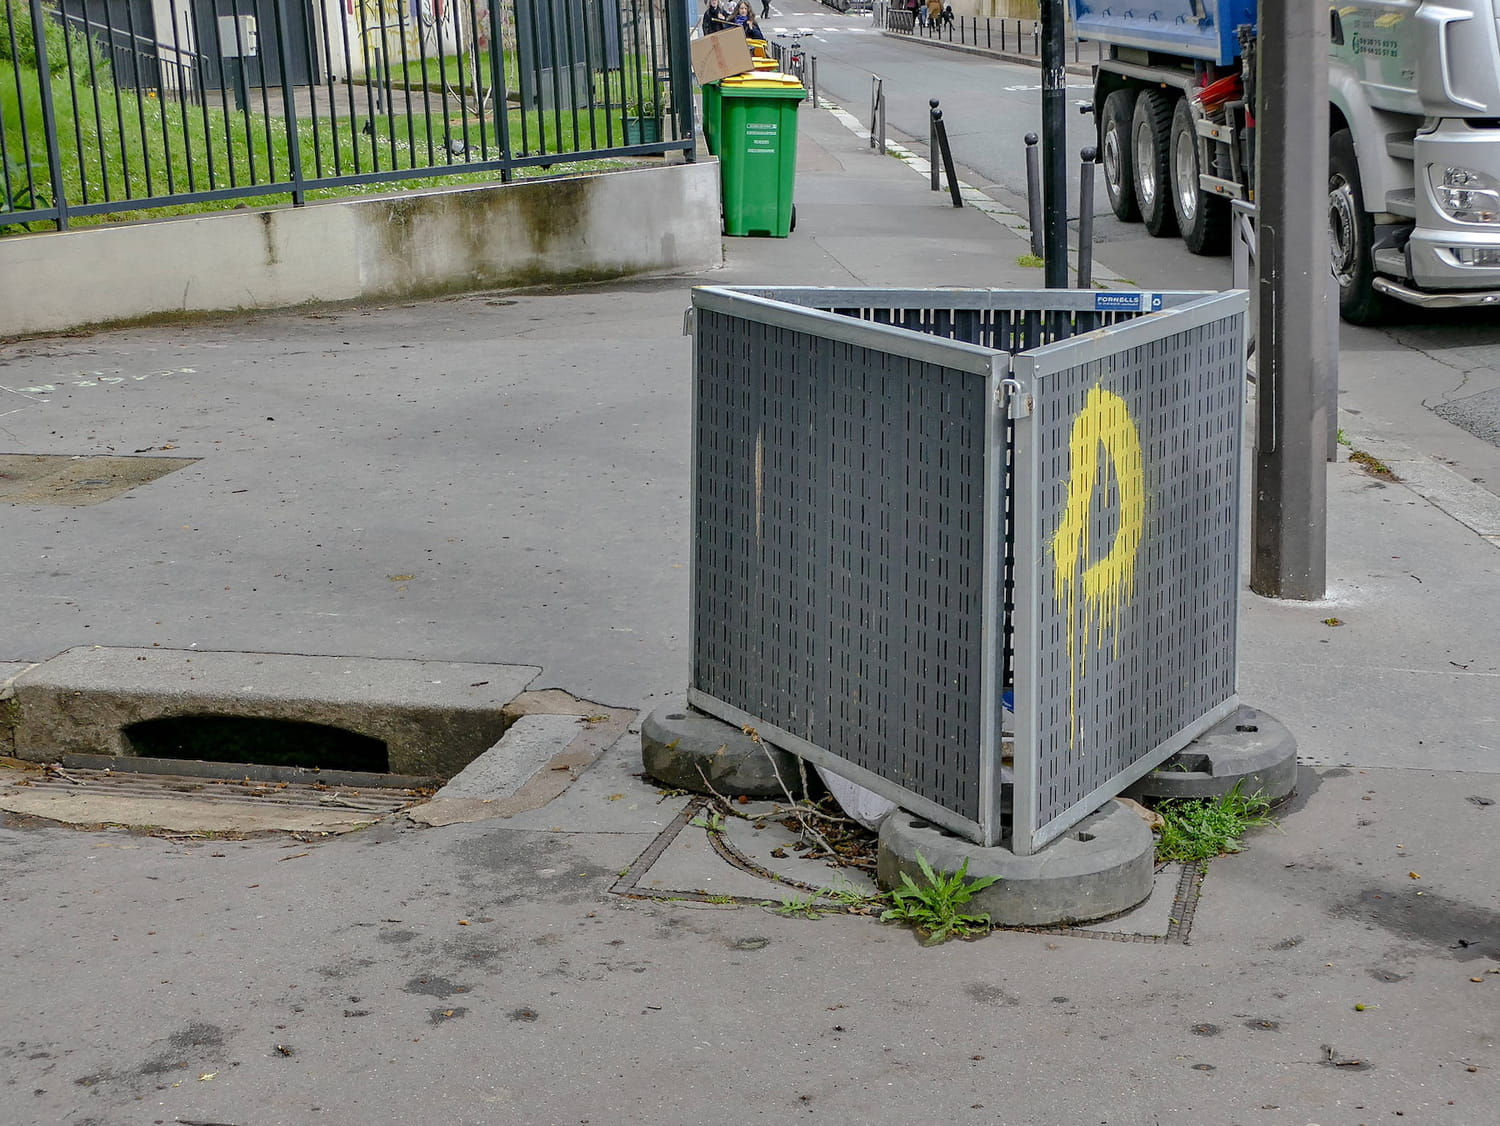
{"points": [[762, 80]]}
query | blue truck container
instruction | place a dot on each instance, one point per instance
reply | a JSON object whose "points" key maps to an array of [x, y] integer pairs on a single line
{"points": [[1196, 29]]}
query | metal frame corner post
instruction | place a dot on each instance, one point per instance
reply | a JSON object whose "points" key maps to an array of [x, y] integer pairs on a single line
{"points": [[993, 635], [1026, 540]]}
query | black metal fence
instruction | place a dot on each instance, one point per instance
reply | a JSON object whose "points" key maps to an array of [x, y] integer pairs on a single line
{"points": [[125, 106]]}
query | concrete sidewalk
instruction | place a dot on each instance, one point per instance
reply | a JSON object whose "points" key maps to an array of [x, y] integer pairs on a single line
{"points": [[502, 478]]}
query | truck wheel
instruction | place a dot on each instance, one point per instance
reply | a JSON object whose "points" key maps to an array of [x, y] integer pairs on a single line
{"points": [[1114, 149], [1351, 235], [1151, 138], [1202, 218]]}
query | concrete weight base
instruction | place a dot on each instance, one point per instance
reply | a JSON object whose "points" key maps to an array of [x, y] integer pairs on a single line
{"points": [[681, 747], [1100, 868], [1248, 748]]}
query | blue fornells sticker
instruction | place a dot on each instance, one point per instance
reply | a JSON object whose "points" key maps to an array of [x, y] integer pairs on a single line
{"points": [[1128, 302]]}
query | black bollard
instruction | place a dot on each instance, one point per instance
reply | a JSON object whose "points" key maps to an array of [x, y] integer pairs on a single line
{"points": [[932, 141], [1086, 218], [1034, 193]]}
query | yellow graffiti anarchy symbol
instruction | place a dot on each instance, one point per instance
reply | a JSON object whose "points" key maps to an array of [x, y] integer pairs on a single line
{"points": [[1092, 595]]}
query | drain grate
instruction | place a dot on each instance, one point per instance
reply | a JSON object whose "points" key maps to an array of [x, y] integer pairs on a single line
{"points": [[74, 481], [80, 795]]}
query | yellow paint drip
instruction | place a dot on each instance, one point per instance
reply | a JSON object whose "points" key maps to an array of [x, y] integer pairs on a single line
{"points": [[1093, 595]]}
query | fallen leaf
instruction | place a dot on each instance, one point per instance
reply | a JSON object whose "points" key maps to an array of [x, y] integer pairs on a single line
{"points": [[401, 578], [463, 922], [1414, 875], [615, 797], [1333, 621], [206, 1076]]}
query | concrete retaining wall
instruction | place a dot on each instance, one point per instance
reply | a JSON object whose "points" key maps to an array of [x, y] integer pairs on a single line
{"points": [[575, 229]]}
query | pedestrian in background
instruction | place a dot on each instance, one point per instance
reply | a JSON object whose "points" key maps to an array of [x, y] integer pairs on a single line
{"points": [[765, 9], [744, 16]]}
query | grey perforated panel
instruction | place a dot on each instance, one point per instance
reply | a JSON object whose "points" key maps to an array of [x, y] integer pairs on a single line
{"points": [[1135, 639], [838, 510]]}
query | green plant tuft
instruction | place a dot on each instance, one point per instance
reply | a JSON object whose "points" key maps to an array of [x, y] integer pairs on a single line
{"points": [[1202, 829], [933, 906], [710, 820], [1031, 261]]}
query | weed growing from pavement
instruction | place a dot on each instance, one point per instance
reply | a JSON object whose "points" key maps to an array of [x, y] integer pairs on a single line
{"points": [[846, 900], [933, 907], [710, 820], [1031, 261], [1371, 464], [1198, 830]]}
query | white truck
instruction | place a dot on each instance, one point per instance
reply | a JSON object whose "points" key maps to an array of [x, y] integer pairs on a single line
{"points": [[1414, 144]]}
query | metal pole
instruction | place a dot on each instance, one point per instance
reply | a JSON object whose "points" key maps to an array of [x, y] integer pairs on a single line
{"points": [[679, 29], [1289, 509], [49, 118], [289, 106], [932, 144], [1033, 194], [1086, 218], [812, 79], [1054, 146]]}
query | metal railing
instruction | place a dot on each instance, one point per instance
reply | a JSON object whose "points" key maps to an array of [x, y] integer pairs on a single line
{"points": [[106, 108], [1002, 34]]}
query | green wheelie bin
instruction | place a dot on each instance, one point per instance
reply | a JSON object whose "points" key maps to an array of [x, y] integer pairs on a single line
{"points": [[712, 101], [757, 142]]}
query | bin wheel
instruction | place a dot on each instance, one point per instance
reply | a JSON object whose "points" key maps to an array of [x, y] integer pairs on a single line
{"points": [[793, 227]]}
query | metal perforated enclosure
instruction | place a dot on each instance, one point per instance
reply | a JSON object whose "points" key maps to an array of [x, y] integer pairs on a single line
{"points": [[878, 480]]}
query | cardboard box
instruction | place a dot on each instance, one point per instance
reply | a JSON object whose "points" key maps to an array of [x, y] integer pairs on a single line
{"points": [[721, 55]]}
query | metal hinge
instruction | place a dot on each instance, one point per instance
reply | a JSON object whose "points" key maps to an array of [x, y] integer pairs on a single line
{"points": [[1015, 399], [689, 321]]}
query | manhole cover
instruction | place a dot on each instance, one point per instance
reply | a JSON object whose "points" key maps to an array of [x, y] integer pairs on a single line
{"points": [[61, 479]]}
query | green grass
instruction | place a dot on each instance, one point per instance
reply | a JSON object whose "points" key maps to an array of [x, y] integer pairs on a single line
{"points": [[122, 144], [933, 907], [1194, 831]]}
